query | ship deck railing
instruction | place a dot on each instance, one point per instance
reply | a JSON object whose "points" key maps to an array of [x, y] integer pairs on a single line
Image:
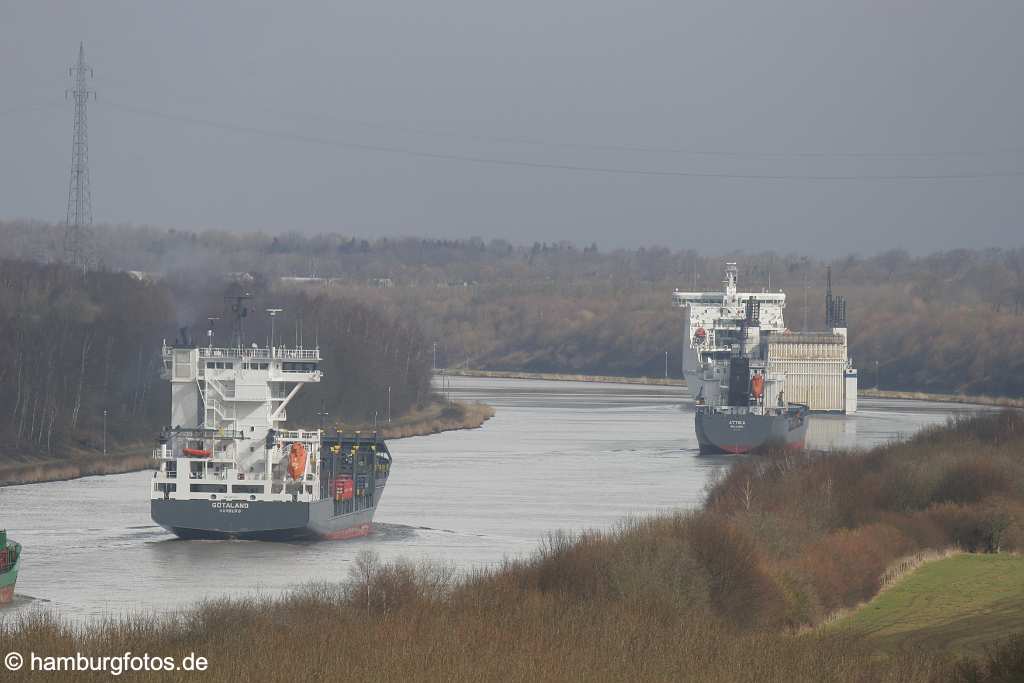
{"points": [[259, 353], [743, 410], [172, 454], [298, 435]]}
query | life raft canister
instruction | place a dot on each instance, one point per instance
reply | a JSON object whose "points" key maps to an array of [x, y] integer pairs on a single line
{"points": [[344, 488], [757, 385], [297, 461]]}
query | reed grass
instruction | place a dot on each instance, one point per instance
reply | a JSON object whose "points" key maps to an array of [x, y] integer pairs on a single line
{"points": [[974, 399], [130, 459], [437, 416]]}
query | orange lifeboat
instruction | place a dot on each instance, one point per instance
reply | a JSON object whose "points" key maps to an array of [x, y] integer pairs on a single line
{"points": [[197, 452], [757, 386], [297, 461]]}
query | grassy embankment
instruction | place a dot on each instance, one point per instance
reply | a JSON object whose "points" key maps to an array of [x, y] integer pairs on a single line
{"points": [[998, 401], [439, 416], [959, 604], [565, 377], [723, 593], [76, 464]]}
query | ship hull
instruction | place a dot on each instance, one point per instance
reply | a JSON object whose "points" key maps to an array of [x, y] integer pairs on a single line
{"points": [[731, 433], [262, 520], [8, 579]]}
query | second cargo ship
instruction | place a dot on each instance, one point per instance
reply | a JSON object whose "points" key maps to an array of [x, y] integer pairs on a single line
{"points": [[753, 381]]}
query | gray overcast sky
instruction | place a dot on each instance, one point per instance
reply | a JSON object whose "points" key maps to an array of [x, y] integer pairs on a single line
{"points": [[300, 116]]}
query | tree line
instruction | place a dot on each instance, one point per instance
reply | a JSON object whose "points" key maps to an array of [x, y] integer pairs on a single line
{"points": [[81, 368], [947, 322]]}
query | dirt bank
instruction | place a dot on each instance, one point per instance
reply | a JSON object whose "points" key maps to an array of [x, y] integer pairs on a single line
{"points": [[439, 416], [554, 376]]}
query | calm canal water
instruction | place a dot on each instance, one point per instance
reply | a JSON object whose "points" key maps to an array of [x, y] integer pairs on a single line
{"points": [[558, 455]]}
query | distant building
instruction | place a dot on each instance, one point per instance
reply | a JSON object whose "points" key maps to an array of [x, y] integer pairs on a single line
{"points": [[241, 277], [307, 282], [298, 280], [381, 282], [144, 276]]}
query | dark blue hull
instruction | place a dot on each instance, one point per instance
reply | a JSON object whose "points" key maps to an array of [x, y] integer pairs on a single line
{"points": [[732, 431]]}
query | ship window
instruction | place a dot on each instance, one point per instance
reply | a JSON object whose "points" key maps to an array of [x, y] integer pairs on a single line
{"points": [[229, 366], [208, 488], [219, 365], [298, 367], [210, 365], [264, 366]]}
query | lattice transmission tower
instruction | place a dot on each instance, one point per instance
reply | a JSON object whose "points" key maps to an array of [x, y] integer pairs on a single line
{"points": [[79, 215]]}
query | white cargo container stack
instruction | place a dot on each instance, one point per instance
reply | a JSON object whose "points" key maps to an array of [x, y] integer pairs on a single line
{"points": [[815, 365]]}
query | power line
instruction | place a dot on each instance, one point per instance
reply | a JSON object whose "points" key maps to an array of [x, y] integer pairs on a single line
{"points": [[689, 151], [29, 107], [496, 161], [656, 149]]}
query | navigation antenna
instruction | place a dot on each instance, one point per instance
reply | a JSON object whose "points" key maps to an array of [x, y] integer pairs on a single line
{"points": [[239, 311], [272, 312], [211, 319], [835, 306], [79, 214]]}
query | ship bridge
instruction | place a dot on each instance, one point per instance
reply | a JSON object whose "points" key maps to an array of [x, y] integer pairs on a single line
{"points": [[228, 404]]}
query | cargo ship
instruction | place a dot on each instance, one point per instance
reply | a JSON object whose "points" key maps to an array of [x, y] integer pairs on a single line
{"points": [[739, 395], [10, 559], [228, 469], [818, 370]]}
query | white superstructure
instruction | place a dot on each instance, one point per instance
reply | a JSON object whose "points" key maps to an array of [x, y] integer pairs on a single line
{"points": [[224, 441], [808, 368], [713, 326]]}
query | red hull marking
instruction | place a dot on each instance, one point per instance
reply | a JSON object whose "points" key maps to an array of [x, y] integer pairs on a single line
{"points": [[6, 594], [740, 450], [351, 532]]}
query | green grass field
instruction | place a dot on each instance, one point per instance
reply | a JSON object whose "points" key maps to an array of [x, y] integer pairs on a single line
{"points": [[959, 605]]}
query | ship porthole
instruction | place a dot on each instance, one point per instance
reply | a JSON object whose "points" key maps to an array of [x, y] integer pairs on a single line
{"points": [[213, 496], [252, 497]]}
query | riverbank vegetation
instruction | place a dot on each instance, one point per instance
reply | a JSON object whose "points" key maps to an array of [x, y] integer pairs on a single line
{"points": [[438, 416], [724, 593], [949, 322]]}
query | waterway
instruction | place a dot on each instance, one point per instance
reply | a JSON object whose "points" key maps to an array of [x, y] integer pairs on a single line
{"points": [[557, 455]]}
